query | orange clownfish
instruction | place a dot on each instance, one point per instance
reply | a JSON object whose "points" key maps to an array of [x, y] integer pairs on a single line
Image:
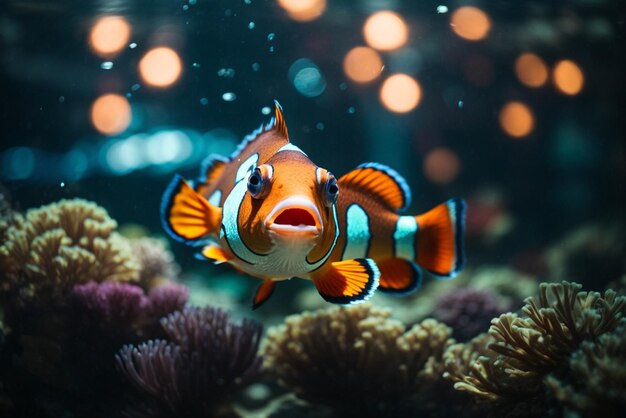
{"points": [[272, 213]]}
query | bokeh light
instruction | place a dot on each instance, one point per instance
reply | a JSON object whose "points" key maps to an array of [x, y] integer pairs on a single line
{"points": [[400, 93], [362, 64], [306, 77], [109, 35], [303, 10], [470, 23], [516, 119], [568, 77], [110, 114], [531, 70], [441, 165], [385, 31], [160, 67]]}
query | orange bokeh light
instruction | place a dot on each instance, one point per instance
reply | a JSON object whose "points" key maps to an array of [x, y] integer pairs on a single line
{"points": [[110, 114], [362, 64], [160, 67], [531, 70], [400, 93], [516, 119], [568, 77], [470, 23], [303, 10], [109, 35], [385, 31], [441, 165]]}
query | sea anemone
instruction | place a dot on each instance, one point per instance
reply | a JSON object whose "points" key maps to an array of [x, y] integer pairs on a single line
{"points": [[52, 248], [356, 361], [111, 302], [469, 311], [511, 364], [206, 359]]}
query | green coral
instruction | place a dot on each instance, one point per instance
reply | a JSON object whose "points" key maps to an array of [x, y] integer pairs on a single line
{"points": [[513, 362], [597, 383], [52, 248]]}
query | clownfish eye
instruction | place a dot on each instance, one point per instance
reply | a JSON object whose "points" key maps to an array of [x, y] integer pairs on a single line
{"points": [[259, 181], [332, 190]]}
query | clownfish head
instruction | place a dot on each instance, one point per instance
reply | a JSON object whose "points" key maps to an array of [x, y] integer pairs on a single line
{"points": [[288, 215]]}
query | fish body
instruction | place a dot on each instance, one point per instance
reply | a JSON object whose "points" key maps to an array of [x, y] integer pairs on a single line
{"points": [[272, 213]]}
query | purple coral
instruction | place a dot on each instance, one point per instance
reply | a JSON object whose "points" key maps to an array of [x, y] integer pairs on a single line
{"points": [[111, 302], [195, 374], [469, 311], [167, 298]]}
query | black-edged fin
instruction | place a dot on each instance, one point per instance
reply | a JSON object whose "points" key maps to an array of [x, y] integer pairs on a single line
{"points": [[186, 215], [348, 282], [263, 293], [440, 239], [279, 120], [212, 168], [274, 130], [216, 254], [399, 277], [380, 181]]}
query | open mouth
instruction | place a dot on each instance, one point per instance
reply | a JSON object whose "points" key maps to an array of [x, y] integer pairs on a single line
{"points": [[295, 216]]}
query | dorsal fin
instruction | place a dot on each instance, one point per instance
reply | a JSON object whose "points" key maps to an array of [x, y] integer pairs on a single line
{"points": [[279, 120], [212, 168], [380, 181], [276, 125]]}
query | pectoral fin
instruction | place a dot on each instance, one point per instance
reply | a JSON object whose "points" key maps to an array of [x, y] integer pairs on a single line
{"points": [[348, 282], [263, 293], [215, 253], [186, 215]]}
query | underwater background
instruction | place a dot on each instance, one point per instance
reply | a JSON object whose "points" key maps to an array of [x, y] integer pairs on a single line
{"points": [[518, 107]]}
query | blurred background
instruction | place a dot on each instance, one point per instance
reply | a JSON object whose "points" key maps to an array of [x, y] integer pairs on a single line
{"points": [[516, 106]]}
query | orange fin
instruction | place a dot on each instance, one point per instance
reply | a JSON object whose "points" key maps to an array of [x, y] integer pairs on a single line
{"points": [[215, 253], [263, 293], [381, 182], [440, 238], [186, 215], [399, 276], [348, 282]]}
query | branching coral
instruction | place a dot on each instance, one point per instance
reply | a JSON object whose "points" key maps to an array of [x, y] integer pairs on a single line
{"points": [[56, 246], [207, 359], [356, 360], [514, 360], [597, 385]]}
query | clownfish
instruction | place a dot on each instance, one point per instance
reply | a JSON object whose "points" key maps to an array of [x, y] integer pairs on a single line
{"points": [[272, 213]]}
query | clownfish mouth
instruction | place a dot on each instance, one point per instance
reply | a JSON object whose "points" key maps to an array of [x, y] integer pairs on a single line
{"points": [[295, 216]]}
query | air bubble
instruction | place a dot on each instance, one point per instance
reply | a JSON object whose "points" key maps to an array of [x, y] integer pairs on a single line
{"points": [[229, 96], [251, 25], [106, 65], [266, 110], [441, 9], [256, 66], [351, 110], [204, 101], [271, 36]]}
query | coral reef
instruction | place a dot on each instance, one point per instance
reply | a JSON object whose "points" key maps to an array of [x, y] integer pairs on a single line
{"points": [[511, 363], [52, 248], [70, 298], [469, 311], [357, 361], [195, 373], [597, 386]]}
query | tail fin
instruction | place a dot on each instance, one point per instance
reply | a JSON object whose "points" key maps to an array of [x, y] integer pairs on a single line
{"points": [[186, 215], [440, 238]]}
